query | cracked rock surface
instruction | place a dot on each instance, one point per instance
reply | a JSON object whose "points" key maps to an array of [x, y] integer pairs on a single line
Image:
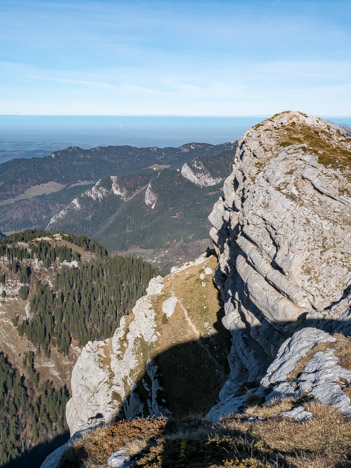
{"points": [[282, 233]]}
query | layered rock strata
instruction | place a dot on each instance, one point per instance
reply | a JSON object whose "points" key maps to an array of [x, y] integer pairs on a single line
{"points": [[282, 233]]}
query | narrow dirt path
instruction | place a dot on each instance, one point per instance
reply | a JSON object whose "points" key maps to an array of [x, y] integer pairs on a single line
{"points": [[193, 327]]}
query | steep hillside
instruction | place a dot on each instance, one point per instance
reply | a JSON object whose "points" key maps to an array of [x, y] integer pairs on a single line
{"points": [[34, 386], [145, 367], [36, 210], [27, 260], [282, 233], [57, 291], [143, 212]]}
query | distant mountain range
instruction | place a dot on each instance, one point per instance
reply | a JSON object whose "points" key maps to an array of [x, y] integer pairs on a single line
{"points": [[74, 165], [131, 199], [148, 211]]}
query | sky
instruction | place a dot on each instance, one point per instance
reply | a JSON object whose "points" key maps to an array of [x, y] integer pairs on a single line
{"points": [[177, 58]]}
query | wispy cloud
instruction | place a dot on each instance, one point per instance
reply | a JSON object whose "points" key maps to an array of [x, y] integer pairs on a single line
{"points": [[98, 84], [181, 57]]}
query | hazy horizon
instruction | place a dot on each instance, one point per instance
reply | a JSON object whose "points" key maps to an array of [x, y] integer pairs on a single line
{"points": [[56, 132]]}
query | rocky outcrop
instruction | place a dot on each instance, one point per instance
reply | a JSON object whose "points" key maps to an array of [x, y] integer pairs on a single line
{"points": [[101, 381], [145, 367], [312, 364], [108, 188], [283, 237], [150, 197], [196, 172]]}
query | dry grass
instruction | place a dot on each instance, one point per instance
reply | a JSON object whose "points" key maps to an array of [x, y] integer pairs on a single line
{"points": [[322, 442], [329, 154], [342, 350], [96, 447], [199, 296], [161, 443], [273, 409]]}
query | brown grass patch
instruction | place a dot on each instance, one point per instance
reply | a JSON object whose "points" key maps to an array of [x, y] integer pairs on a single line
{"points": [[343, 350], [161, 443], [329, 154], [97, 446], [322, 442], [273, 409]]}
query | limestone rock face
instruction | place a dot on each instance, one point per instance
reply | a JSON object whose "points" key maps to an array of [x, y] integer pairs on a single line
{"points": [[197, 173], [109, 187], [168, 356], [321, 373], [282, 232], [101, 380], [150, 197], [309, 364]]}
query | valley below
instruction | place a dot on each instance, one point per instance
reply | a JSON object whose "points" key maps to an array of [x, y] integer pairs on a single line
{"points": [[106, 193]]}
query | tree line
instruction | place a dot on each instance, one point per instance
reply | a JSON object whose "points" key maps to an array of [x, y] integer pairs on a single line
{"points": [[87, 244], [87, 302]]}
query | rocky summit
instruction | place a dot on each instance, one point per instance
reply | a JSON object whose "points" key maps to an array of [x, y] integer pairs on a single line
{"points": [[282, 236], [282, 233]]}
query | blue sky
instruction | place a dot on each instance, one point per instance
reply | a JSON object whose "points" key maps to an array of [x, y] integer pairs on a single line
{"points": [[213, 58]]}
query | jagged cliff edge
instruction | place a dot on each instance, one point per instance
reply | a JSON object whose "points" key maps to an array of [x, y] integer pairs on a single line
{"points": [[282, 233]]}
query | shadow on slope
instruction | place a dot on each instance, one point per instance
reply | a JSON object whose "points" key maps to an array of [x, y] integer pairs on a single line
{"points": [[191, 383], [35, 457], [190, 376]]}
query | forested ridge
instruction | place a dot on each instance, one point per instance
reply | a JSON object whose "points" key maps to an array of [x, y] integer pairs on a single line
{"points": [[75, 291], [87, 302], [73, 165], [12, 245], [82, 301]]}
